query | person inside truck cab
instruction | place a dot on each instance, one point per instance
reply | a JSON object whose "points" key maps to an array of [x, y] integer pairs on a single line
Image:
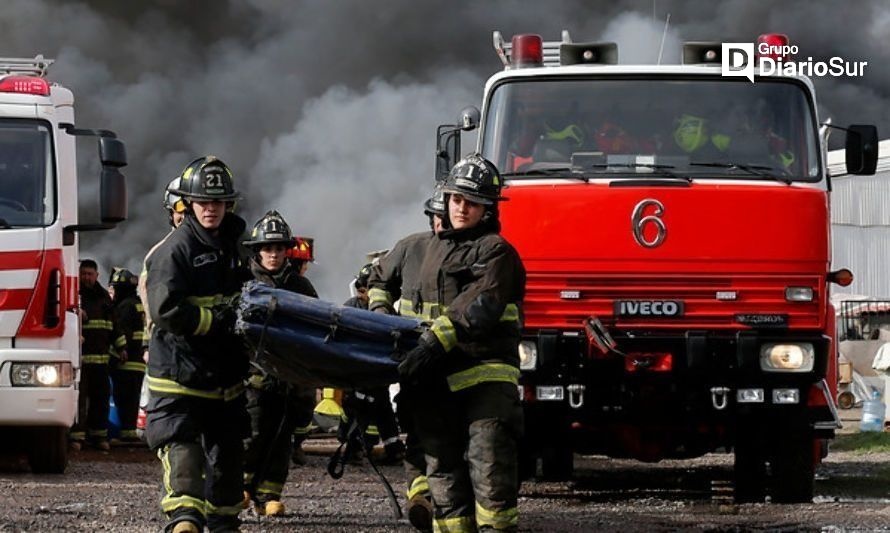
{"points": [[546, 140], [740, 136], [18, 181]]}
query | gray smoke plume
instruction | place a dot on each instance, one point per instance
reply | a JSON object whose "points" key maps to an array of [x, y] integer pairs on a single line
{"points": [[326, 111]]}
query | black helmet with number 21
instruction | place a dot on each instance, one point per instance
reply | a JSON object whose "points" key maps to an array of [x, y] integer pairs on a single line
{"points": [[206, 178]]}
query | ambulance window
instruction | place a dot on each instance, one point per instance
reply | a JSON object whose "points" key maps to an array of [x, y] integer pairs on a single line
{"points": [[26, 174]]}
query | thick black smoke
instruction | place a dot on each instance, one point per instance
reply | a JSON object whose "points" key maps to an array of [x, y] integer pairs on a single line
{"points": [[326, 110]]}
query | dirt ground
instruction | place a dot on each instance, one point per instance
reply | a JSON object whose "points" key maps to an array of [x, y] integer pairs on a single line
{"points": [[119, 491]]}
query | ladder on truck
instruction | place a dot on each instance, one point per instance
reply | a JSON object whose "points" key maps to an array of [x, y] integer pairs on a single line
{"points": [[34, 66]]}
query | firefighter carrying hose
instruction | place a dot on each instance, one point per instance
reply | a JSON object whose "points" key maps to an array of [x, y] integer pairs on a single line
{"points": [[371, 406], [466, 366], [276, 408], [396, 279], [196, 415], [127, 375]]}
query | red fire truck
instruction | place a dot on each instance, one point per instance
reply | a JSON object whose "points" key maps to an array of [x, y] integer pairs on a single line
{"points": [[674, 224], [39, 226]]}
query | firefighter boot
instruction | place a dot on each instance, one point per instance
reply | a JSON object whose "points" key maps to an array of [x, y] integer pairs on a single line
{"points": [[298, 457], [420, 512], [274, 508], [393, 453], [186, 526]]}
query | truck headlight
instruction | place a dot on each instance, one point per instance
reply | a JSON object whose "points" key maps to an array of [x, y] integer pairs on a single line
{"points": [[799, 294], [528, 355], [41, 374], [787, 357]]}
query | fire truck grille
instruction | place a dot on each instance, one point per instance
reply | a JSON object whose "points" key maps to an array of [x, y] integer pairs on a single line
{"points": [[563, 301]]}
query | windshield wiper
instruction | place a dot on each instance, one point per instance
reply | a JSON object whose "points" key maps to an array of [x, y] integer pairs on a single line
{"points": [[657, 170], [4, 224], [559, 172], [755, 170]]}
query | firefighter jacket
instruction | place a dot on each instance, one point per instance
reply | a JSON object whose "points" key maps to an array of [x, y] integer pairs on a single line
{"points": [[130, 321], [101, 339], [193, 278], [395, 278], [142, 291], [289, 279], [471, 286]]}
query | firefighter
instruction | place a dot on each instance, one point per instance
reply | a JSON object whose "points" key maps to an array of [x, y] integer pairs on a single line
{"points": [[276, 408], [196, 367], [127, 376], [395, 279], [466, 366], [101, 342], [373, 405], [175, 207]]}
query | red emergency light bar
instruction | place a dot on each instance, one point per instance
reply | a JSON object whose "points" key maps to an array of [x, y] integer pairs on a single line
{"points": [[527, 50], [773, 45], [24, 85]]}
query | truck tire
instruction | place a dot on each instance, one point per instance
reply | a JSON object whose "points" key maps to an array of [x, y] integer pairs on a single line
{"points": [[793, 468], [557, 463], [48, 453], [749, 471]]}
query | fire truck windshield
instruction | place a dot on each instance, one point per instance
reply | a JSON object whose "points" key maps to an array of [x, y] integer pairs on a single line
{"points": [[696, 127], [26, 174]]}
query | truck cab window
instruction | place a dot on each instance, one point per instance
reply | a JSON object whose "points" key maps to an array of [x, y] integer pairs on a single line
{"points": [[25, 174]]}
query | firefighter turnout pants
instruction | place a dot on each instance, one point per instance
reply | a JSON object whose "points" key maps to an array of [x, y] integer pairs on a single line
{"points": [[275, 413], [92, 403], [470, 438], [415, 462], [127, 386], [201, 447]]}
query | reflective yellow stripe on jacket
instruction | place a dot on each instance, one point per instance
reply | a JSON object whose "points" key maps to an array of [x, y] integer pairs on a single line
{"points": [[445, 332], [95, 359], [429, 311], [444, 328], [484, 373], [135, 366], [168, 386], [98, 324], [206, 316], [379, 296]]}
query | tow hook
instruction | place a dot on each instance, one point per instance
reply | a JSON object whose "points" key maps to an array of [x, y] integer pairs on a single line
{"points": [[576, 396], [719, 397]]}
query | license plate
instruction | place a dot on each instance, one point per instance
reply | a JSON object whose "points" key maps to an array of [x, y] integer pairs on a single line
{"points": [[649, 308]]}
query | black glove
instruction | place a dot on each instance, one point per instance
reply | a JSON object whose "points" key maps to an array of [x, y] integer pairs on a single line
{"points": [[423, 360], [223, 321]]}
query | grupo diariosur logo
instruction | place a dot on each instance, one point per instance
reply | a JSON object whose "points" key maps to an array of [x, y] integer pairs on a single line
{"points": [[740, 59]]}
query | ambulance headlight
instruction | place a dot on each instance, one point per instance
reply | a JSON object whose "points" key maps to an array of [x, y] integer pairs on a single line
{"points": [[41, 375], [528, 355], [787, 357]]}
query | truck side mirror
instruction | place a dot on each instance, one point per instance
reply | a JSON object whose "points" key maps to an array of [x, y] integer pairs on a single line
{"points": [[861, 149], [112, 195], [112, 152], [469, 118]]}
